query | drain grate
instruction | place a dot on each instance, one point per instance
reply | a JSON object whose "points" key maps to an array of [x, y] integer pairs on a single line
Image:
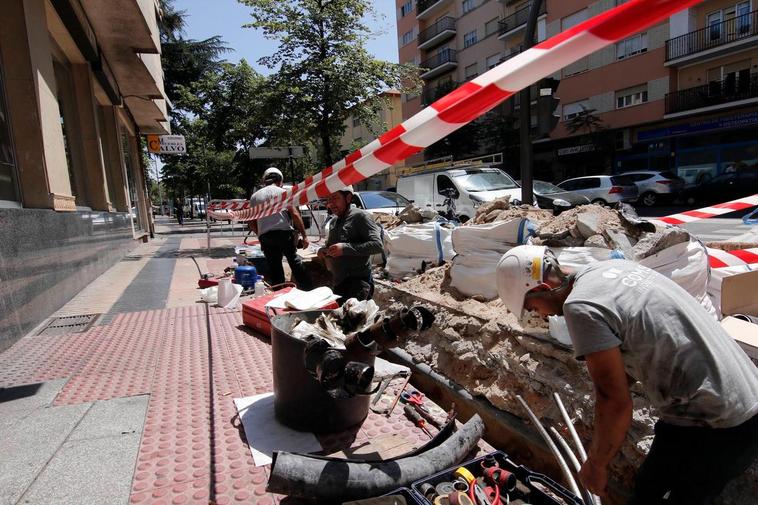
{"points": [[68, 324], [131, 258]]}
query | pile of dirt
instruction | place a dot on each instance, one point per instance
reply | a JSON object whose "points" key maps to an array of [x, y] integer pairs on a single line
{"points": [[387, 221]]}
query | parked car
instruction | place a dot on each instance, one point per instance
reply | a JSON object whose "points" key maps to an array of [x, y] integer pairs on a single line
{"points": [[603, 189], [549, 196], [724, 187], [471, 187], [655, 186], [377, 202]]}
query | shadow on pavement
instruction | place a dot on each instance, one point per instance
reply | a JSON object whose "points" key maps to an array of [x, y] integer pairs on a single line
{"points": [[18, 392]]}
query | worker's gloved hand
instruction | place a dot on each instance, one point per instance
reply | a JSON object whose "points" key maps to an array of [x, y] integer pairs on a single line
{"points": [[594, 477], [336, 250]]}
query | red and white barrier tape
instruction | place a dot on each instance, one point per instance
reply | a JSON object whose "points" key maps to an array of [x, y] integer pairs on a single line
{"points": [[722, 259], [709, 212], [228, 205], [474, 99]]}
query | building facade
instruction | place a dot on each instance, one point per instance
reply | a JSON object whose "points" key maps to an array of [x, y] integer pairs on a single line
{"points": [[682, 96], [79, 84]]}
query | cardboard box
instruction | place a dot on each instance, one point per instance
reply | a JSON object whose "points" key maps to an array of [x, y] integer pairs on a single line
{"points": [[745, 334], [739, 294]]}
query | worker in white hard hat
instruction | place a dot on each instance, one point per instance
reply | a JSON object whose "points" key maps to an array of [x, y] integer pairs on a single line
{"points": [[352, 238], [277, 235], [628, 321]]}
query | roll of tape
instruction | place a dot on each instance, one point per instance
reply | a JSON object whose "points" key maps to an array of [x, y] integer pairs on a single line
{"points": [[463, 473]]}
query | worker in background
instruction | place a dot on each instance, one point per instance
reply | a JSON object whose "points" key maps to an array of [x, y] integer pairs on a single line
{"points": [[276, 233], [625, 319], [352, 238]]}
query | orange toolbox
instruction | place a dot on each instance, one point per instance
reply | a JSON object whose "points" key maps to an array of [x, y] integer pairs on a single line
{"points": [[254, 314]]}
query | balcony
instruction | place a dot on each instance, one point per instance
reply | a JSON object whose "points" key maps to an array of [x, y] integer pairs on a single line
{"points": [[427, 8], [731, 92], [442, 62], [517, 20], [436, 34], [728, 36], [433, 93]]}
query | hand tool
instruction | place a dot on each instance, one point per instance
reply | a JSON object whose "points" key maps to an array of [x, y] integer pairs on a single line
{"points": [[419, 421], [402, 389]]}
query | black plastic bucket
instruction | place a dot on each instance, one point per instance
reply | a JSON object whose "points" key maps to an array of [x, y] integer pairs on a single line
{"points": [[300, 402]]}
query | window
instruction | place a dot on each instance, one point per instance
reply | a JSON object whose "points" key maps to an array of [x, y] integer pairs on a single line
{"points": [[8, 189], [714, 22], [356, 122], [588, 183], [574, 19], [471, 71], [469, 39], [631, 96], [407, 38], [67, 108], [491, 27], [468, 6], [406, 8], [571, 110], [492, 61], [631, 46], [444, 182], [742, 11]]}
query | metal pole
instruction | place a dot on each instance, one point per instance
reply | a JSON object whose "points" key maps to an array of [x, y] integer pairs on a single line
{"points": [[525, 114]]}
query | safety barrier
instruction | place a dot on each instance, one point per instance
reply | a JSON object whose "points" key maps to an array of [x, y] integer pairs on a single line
{"points": [[723, 259], [709, 212]]}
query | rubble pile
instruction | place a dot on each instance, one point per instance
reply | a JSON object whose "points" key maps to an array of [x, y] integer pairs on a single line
{"points": [[500, 209]]}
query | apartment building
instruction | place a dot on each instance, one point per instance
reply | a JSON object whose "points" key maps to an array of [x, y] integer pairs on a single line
{"points": [[681, 96], [80, 82], [357, 135]]}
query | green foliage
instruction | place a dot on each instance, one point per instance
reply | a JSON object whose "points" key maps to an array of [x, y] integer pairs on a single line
{"points": [[323, 72]]}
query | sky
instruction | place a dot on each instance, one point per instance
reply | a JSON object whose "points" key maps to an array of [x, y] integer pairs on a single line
{"points": [[206, 18]]}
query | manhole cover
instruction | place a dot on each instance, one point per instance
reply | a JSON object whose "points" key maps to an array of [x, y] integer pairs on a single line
{"points": [[68, 324]]}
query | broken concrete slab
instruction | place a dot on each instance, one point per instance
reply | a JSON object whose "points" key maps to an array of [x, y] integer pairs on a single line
{"points": [[619, 240], [588, 224], [656, 242]]}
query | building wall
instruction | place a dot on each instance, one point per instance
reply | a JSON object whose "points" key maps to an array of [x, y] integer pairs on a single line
{"points": [[72, 186]]}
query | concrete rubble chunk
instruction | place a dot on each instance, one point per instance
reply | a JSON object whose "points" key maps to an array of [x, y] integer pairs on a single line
{"points": [[656, 242], [596, 241], [411, 214], [619, 240], [588, 224]]}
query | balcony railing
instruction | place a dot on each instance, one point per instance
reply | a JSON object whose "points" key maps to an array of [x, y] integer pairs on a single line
{"points": [[729, 90], [433, 93], [446, 24], [518, 18], [715, 35], [423, 5], [441, 58]]}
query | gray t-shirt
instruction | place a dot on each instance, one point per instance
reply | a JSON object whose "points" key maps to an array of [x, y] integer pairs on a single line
{"points": [[692, 371], [277, 221]]}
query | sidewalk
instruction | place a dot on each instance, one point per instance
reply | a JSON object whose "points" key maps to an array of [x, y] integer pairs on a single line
{"points": [[138, 408]]}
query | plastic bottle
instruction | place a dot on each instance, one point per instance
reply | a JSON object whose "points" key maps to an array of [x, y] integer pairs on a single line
{"points": [[260, 288]]}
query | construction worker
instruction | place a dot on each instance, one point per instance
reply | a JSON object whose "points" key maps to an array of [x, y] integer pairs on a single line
{"points": [[625, 319], [353, 237], [277, 235]]}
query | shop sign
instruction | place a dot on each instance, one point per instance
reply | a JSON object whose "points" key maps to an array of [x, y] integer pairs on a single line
{"points": [[585, 148], [717, 123], [166, 144]]}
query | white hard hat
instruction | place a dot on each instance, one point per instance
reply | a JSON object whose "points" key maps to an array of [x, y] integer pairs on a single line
{"points": [[273, 171], [348, 189], [519, 271]]}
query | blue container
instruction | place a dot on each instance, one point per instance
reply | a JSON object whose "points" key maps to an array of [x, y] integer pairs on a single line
{"points": [[246, 276]]}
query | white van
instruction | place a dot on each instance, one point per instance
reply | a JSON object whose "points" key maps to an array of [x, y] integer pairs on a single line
{"points": [[473, 185]]}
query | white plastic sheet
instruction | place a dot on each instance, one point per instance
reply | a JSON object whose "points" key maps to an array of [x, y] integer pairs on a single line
{"points": [[412, 245]]}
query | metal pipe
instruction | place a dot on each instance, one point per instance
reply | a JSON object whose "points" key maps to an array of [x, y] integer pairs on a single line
{"points": [[339, 480], [588, 498], [551, 445], [570, 425]]}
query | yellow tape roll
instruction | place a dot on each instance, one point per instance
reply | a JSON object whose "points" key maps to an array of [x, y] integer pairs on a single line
{"points": [[463, 473]]}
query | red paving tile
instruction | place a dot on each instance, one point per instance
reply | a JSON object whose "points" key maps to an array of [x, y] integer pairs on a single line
{"points": [[192, 448]]}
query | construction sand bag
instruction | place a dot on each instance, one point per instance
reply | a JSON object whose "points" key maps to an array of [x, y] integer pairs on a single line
{"points": [[412, 246], [496, 236]]}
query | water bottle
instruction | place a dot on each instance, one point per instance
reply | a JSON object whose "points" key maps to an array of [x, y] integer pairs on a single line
{"points": [[260, 288]]}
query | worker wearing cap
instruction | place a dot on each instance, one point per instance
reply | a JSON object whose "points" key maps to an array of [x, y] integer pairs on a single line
{"points": [[353, 237], [625, 319], [276, 233]]}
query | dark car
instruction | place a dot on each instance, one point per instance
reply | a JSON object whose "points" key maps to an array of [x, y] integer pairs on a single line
{"points": [[550, 196], [736, 183]]}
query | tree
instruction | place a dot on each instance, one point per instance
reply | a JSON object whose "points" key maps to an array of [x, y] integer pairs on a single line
{"points": [[323, 71]]}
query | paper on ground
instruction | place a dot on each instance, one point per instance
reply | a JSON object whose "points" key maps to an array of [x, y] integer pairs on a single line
{"points": [[303, 300], [265, 434]]}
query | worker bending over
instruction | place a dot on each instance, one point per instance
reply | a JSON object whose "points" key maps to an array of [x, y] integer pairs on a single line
{"points": [[276, 233], [352, 238], [624, 318]]}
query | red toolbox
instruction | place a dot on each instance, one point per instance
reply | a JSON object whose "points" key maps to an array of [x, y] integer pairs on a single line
{"points": [[254, 311]]}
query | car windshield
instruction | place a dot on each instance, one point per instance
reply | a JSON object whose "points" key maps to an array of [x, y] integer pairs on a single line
{"points": [[383, 200], [489, 180], [546, 188]]}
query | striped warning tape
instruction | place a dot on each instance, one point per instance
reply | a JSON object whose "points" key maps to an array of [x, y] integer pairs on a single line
{"points": [[722, 259], [474, 99], [709, 212], [227, 205]]}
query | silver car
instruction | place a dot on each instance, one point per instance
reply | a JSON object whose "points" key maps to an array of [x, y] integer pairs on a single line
{"points": [[655, 186], [603, 189]]}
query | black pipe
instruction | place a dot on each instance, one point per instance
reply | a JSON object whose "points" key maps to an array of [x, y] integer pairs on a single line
{"points": [[301, 475]]}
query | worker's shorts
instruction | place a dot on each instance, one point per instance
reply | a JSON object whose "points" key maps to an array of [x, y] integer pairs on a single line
{"points": [[691, 465]]}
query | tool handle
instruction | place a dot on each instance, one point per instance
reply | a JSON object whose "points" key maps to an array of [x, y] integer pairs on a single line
{"points": [[414, 416]]}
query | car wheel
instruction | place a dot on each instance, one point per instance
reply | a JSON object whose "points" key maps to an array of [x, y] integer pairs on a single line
{"points": [[599, 201], [649, 199]]}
